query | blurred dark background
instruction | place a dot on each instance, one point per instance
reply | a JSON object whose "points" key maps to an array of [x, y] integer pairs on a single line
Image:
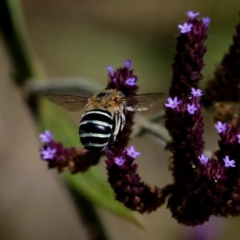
{"points": [[80, 38]]}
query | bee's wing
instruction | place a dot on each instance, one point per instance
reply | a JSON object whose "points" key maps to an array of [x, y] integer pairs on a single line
{"points": [[68, 102], [143, 102]]}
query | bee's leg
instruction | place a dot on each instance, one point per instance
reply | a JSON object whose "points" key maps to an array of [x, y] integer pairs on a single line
{"points": [[123, 120], [117, 118]]}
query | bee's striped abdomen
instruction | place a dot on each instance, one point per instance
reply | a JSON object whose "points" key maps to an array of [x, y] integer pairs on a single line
{"points": [[95, 129]]}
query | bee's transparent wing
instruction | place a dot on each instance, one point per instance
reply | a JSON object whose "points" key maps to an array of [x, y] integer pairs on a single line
{"points": [[68, 102], [143, 102]]}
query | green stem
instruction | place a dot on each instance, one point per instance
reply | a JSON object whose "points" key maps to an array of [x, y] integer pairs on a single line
{"points": [[15, 38], [24, 66]]}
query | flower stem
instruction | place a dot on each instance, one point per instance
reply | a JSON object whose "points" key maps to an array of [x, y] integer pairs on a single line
{"points": [[15, 38]]}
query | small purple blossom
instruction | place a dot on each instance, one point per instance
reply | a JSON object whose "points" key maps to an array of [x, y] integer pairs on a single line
{"points": [[132, 153], [191, 14], [191, 108], [172, 102], [128, 63], [185, 27], [238, 138], [206, 21], [46, 137], [131, 81], [220, 126], [196, 92], [203, 158], [110, 70], [119, 160], [228, 162], [48, 153]]}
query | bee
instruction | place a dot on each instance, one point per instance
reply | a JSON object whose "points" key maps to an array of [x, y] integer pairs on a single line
{"points": [[105, 114]]}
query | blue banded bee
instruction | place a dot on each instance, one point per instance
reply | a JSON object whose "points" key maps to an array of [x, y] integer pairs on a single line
{"points": [[105, 114]]}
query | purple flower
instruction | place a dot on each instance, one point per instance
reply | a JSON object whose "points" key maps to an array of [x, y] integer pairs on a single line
{"points": [[206, 21], [46, 137], [191, 14], [228, 162], [203, 159], [119, 160], [48, 153], [191, 108], [185, 27], [132, 153], [196, 93], [128, 63], [220, 126], [131, 81], [238, 138], [172, 103], [110, 70]]}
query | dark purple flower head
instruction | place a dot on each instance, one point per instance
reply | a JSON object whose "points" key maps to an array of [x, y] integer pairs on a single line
{"points": [[189, 57], [123, 79], [204, 186], [127, 185], [224, 84], [72, 159]]}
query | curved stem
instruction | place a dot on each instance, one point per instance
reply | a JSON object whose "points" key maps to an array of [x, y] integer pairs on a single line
{"points": [[15, 38]]}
